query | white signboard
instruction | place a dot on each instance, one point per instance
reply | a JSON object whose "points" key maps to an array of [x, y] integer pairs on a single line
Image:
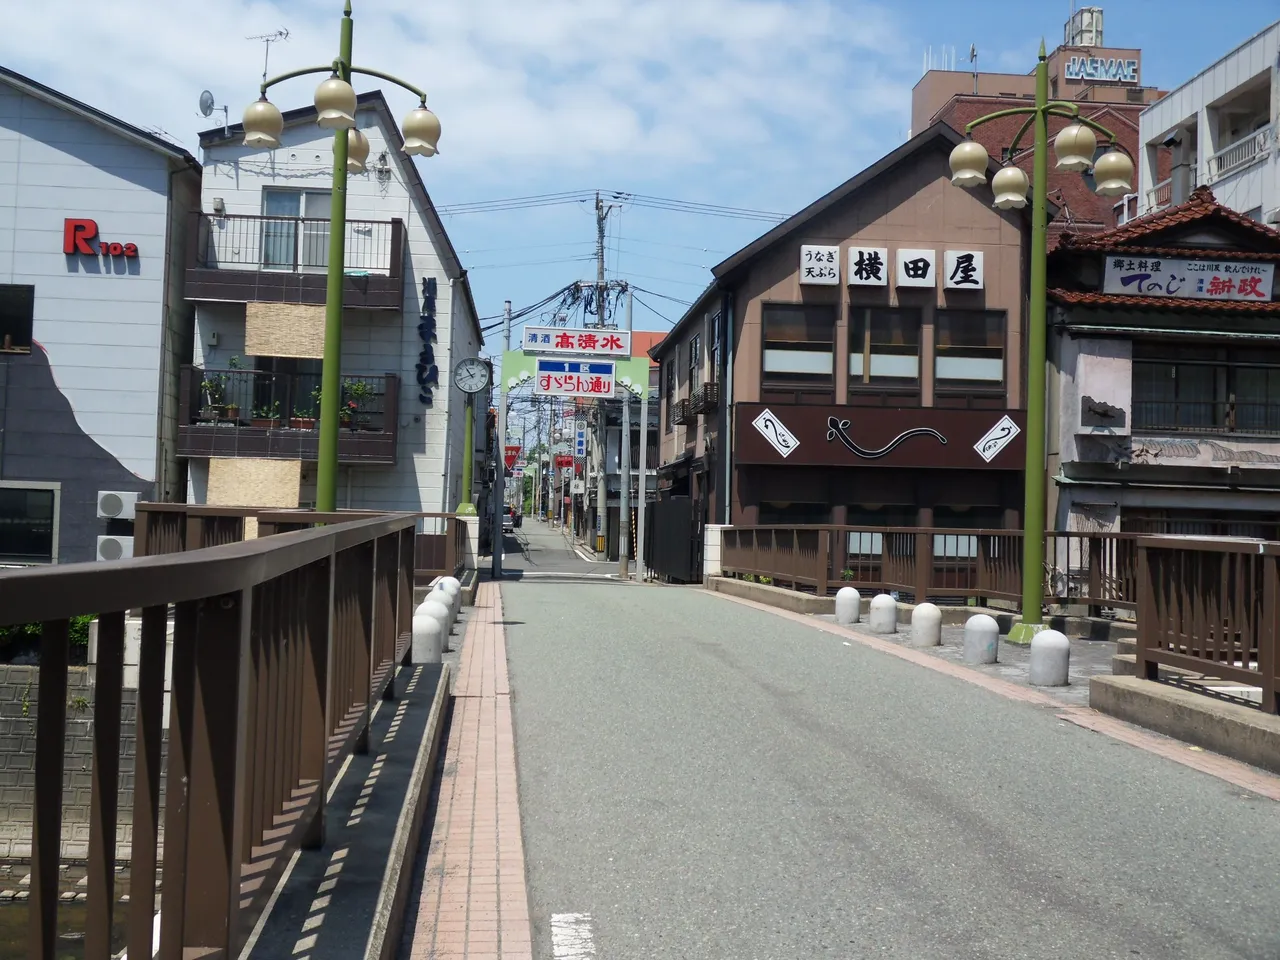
{"points": [[996, 439], [962, 270], [1196, 279], [820, 265], [779, 437], [574, 378], [1102, 68], [917, 268], [577, 486], [577, 341], [580, 441], [868, 267]]}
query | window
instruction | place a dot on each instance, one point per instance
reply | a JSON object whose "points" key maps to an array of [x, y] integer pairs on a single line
{"points": [[669, 390], [17, 311], [28, 522], [287, 242], [1205, 389], [799, 344], [969, 349], [695, 363], [884, 347], [714, 372]]}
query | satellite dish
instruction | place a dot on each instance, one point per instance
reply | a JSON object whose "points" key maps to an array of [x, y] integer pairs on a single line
{"points": [[206, 103]]}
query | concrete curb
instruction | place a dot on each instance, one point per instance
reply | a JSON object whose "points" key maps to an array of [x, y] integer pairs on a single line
{"points": [[1242, 733], [388, 913]]}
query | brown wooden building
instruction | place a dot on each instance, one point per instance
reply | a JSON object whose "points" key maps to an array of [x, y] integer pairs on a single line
{"points": [[862, 362]]}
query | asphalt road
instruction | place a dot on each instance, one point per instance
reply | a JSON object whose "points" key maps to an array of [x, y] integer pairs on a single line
{"points": [[705, 780], [537, 549]]}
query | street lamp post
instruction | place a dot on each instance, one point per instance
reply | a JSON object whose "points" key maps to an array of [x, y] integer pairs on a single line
{"points": [[335, 102], [1074, 147]]}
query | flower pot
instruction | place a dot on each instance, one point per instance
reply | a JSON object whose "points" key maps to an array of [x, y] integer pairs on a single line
{"points": [[269, 423], [303, 423], [209, 412], [231, 412]]}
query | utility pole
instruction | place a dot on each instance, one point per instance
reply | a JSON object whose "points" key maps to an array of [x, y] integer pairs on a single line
{"points": [[624, 487], [602, 214], [643, 492], [500, 473]]}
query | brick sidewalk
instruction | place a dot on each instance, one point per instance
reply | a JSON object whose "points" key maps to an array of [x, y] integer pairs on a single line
{"points": [[474, 903]]}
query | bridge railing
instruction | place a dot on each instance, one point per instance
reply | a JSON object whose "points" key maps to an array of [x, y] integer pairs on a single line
{"points": [[440, 549], [1094, 569], [280, 647]]}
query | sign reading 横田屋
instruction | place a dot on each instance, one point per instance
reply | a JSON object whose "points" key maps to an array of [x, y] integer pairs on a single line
{"points": [[1193, 279], [579, 342]]}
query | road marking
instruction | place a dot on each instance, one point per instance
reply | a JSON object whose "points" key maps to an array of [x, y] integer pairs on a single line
{"points": [[571, 937]]}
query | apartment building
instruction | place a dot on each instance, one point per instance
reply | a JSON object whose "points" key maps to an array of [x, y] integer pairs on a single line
{"points": [[93, 324], [256, 272], [1218, 130]]}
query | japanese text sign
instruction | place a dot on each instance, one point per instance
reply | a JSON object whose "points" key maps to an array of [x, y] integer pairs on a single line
{"points": [[868, 267], [511, 453], [1194, 279], [573, 378], [962, 270], [596, 343], [563, 461], [917, 268], [820, 265]]}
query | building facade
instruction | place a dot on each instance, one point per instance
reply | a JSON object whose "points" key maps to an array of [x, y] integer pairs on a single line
{"points": [[1218, 130], [256, 271], [93, 324], [1164, 378], [862, 363]]}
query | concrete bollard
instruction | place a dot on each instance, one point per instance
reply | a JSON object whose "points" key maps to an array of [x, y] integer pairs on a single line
{"points": [[848, 606], [883, 615], [926, 625], [451, 600], [981, 639], [439, 610], [1050, 659], [452, 584], [428, 640]]}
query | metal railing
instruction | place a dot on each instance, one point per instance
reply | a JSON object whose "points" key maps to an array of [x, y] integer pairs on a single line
{"points": [[280, 647], [282, 401], [1248, 149], [1211, 607], [1207, 416], [1158, 196], [440, 545], [1093, 569], [291, 244]]}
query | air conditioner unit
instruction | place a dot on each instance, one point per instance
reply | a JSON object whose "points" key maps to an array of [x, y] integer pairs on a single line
{"points": [[115, 548], [116, 504]]}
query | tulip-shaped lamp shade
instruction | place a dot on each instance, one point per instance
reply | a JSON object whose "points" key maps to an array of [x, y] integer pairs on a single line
{"points": [[1010, 187], [1074, 147], [969, 164], [421, 133], [357, 151], [1113, 174], [263, 124], [336, 104]]}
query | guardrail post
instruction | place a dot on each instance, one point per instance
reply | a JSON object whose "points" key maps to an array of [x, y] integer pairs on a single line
{"points": [[386, 574], [924, 563], [104, 798], [1269, 636], [46, 809], [317, 599], [404, 588], [1147, 625], [824, 562], [1096, 545], [146, 780]]}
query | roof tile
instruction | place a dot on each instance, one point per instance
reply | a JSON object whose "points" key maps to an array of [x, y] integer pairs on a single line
{"points": [[1166, 304], [1201, 205]]}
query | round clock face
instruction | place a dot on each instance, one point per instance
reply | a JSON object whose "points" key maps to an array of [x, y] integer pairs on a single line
{"points": [[471, 375]]}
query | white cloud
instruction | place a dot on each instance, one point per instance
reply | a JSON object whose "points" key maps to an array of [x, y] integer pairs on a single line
{"points": [[523, 88]]}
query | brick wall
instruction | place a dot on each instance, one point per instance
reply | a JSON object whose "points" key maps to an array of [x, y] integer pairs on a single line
{"points": [[19, 695]]}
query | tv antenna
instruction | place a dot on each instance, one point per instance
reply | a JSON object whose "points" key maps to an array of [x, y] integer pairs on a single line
{"points": [[208, 105], [267, 40]]}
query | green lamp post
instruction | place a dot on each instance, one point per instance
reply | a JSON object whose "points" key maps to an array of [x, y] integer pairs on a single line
{"points": [[1074, 147], [335, 102]]}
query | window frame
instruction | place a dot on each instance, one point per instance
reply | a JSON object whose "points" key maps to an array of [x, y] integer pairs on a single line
{"points": [[669, 389], [864, 382], [1225, 365], [55, 487], [28, 322], [957, 387], [801, 382], [694, 361]]}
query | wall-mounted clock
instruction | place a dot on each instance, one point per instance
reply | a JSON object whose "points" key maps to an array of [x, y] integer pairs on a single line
{"points": [[471, 375]]}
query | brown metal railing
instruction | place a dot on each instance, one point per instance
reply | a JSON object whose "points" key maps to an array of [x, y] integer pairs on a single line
{"points": [[1094, 569], [280, 647], [174, 527], [1213, 607]]}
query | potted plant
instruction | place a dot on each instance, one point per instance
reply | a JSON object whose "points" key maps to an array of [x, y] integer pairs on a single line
{"points": [[346, 414], [358, 394], [214, 388], [267, 416], [304, 417]]}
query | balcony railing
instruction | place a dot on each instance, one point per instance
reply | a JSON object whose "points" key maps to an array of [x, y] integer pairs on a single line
{"points": [[1212, 417], [255, 413], [1245, 151], [683, 412], [240, 257], [706, 399]]}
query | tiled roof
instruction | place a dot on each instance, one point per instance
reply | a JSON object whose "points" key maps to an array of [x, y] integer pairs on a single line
{"points": [[1130, 251], [1163, 304], [1200, 206]]}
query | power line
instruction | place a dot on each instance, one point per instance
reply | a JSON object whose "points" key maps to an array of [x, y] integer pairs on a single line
{"points": [[650, 309], [654, 293], [530, 263]]}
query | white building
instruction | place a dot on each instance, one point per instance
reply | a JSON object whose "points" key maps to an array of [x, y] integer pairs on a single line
{"points": [[93, 325], [1219, 130], [257, 272]]}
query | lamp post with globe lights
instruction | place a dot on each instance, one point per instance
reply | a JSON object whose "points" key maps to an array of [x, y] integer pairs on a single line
{"points": [[335, 102], [1074, 148]]}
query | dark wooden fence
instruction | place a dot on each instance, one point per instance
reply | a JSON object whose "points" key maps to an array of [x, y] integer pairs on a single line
{"points": [[174, 527], [281, 645], [1094, 569]]}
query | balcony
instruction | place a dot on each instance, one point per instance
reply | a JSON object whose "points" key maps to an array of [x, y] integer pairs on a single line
{"points": [[285, 260], [683, 413], [274, 416], [706, 399], [1247, 150], [1209, 417]]}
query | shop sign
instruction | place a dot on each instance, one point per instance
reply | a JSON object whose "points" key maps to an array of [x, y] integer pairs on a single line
{"points": [[916, 268], [1193, 279], [868, 267], [582, 342], [1115, 69], [820, 265], [962, 270], [81, 237], [573, 378]]}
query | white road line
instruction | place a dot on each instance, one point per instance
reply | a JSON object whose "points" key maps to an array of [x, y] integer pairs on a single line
{"points": [[571, 936]]}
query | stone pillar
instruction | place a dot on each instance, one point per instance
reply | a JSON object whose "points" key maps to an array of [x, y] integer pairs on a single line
{"points": [[473, 541], [711, 543]]}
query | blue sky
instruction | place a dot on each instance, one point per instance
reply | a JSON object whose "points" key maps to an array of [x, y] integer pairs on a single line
{"points": [[761, 104]]}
